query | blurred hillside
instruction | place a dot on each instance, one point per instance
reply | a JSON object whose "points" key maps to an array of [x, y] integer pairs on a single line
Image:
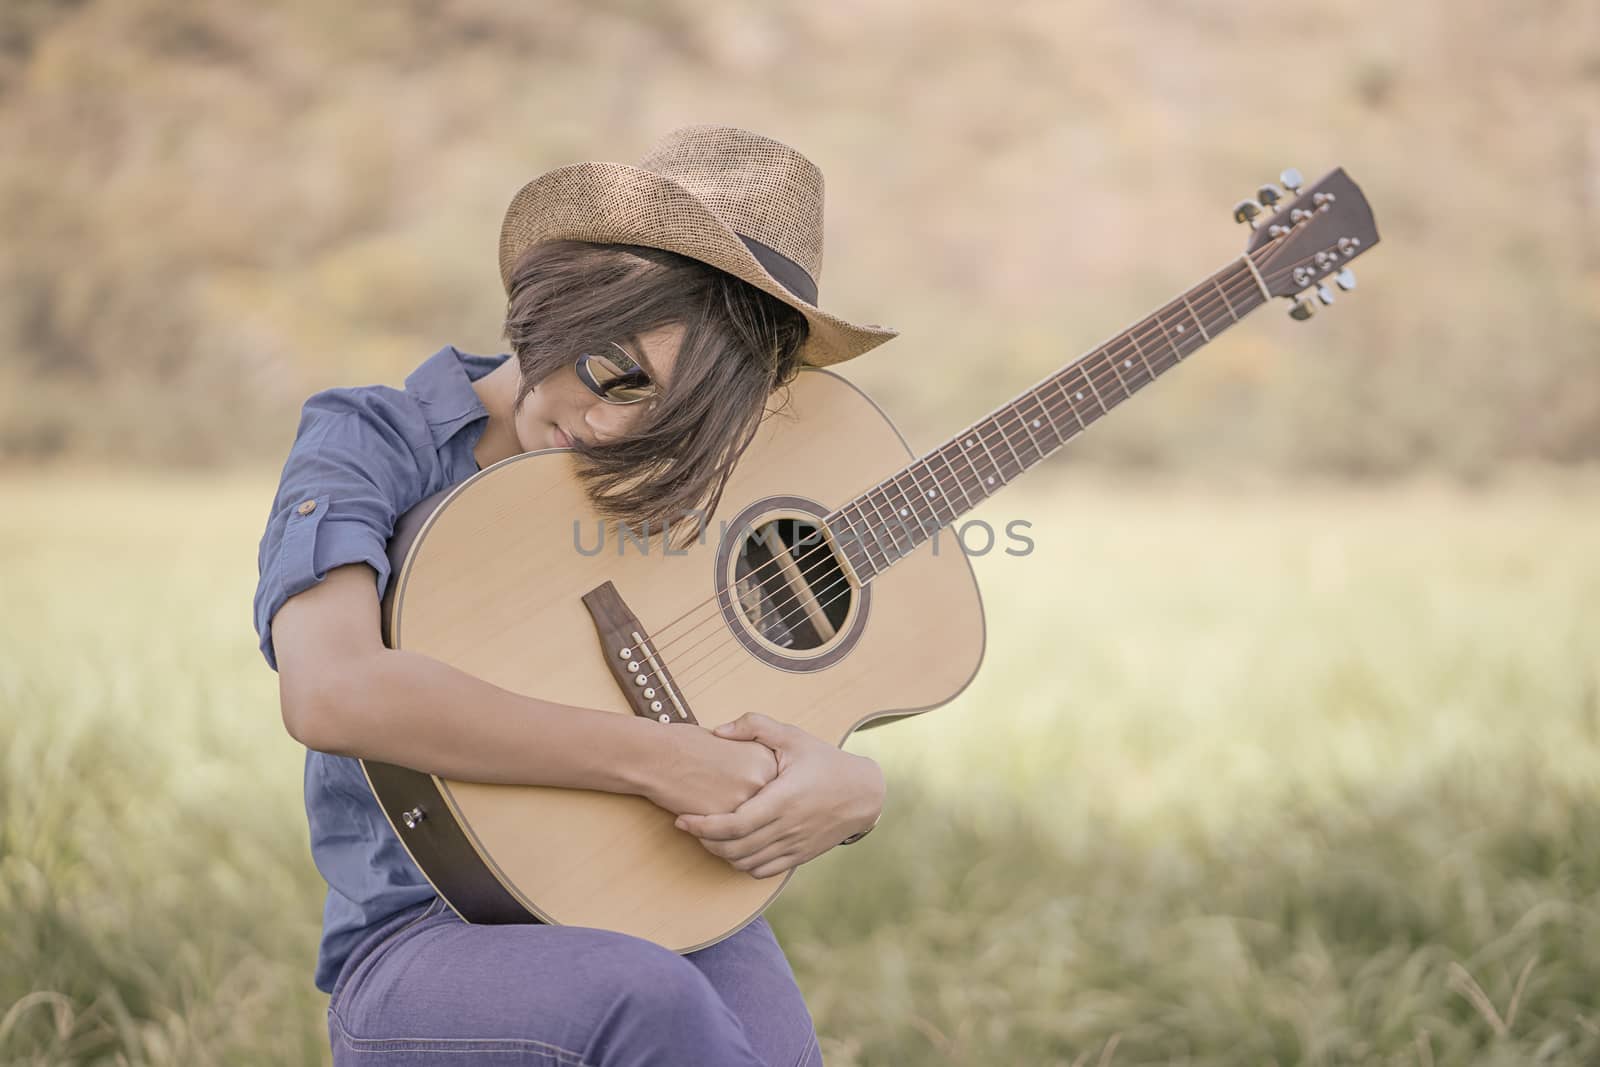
{"points": [[212, 210]]}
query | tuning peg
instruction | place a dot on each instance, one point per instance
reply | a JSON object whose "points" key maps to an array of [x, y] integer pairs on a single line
{"points": [[1345, 279], [1269, 195], [1303, 309], [1246, 211], [1324, 294], [1291, 180]]}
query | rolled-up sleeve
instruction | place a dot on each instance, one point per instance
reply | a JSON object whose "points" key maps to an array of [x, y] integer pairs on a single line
{"points": [[350, 474]]}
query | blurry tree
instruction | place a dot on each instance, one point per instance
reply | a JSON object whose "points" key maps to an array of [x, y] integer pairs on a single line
{"points": [[212, 210]]}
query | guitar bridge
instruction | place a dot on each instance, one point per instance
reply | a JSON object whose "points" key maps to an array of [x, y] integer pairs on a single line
{"points": [[633, 660]]}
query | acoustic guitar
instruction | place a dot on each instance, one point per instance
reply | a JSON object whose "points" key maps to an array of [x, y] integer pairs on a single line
{"points": [[820, 596]]}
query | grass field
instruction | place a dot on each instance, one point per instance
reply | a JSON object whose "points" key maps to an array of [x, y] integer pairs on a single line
{"points": [[1250, 776]]}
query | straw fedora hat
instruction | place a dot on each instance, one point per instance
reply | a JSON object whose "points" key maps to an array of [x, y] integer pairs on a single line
{"points": [[743, 203]]}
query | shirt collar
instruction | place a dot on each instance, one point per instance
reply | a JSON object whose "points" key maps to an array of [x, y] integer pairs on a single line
{"points": [[442, 386]]}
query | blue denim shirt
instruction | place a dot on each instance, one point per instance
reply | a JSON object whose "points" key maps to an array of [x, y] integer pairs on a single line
{"points": [[361, 458]]}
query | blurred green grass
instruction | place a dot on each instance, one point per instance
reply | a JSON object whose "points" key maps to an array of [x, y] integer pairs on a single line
{"points": [[1249, 776]]}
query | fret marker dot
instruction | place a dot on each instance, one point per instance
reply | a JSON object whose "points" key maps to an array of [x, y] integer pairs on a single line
{"points": [[1078, 394], [903, 512], [930, 493], [969, 442], [1035, 424], [991, 479], [1127, 363], [1179, 327]]}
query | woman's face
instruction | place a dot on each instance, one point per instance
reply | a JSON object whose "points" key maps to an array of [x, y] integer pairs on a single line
{"points": [[561, 407]]}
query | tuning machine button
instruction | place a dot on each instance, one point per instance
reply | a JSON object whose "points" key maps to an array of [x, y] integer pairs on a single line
{"points": [[1325, 294], [1345, 279], [1246, 211], [1291, 180], [1269, 195], [1303, 309]]}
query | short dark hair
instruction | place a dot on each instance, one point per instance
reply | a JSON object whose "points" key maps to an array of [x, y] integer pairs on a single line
{"points": [[739, 345]]}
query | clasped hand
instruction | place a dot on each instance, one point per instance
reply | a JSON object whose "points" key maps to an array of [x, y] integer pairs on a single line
{"points": [[820, 796]]}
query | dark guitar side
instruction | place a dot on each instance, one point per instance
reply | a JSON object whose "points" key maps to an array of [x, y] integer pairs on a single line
{"points": [[437, 843]]}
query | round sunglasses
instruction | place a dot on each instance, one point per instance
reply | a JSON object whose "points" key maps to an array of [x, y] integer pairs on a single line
{"points": [[615, 377]]}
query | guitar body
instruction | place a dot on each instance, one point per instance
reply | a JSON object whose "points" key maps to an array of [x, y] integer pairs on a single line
{"points": [[490, 576]]}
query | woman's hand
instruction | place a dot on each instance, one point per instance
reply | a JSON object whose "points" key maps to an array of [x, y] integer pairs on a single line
{"points": [[701, 773], [821, 796]]}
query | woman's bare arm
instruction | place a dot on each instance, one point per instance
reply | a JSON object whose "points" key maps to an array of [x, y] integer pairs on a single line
{"points": [[341, 691]]}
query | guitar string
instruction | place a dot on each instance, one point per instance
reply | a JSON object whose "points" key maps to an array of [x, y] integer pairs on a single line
{"points": [[1245, 283], [1211, 308], [1118, 347], [1210, 305]]}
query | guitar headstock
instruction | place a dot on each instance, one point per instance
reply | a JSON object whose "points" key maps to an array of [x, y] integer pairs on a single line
{"points": [[1312, 233]]}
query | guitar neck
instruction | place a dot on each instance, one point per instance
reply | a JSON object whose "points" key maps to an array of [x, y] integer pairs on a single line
{"points": [[893, 518]]}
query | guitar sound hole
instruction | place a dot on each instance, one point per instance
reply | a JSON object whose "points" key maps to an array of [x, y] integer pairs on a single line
{"points": [[789, 586]]}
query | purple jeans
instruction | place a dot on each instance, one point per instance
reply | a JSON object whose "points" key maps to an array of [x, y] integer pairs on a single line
{"points": [[427, 988]]}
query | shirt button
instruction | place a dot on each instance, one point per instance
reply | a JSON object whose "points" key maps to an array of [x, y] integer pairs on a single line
{"points": [[307, 508]]}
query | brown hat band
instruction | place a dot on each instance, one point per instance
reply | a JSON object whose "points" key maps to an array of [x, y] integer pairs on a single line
{"points": [[790, 274]]}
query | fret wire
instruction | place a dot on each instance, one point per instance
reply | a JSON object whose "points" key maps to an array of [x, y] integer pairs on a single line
{"points": [[954, 477], [938, 494], [966, 453], [922, 494], [876, 527], [866, 543], [1131, 369], [1134, 337], [1165, 362], [1097, 397], [855, 535], [1015, 408], [901, 523], [984, 444], [1036, 394], [942, 489], [995, 420], [1225, 301], [845, 546], [996, 459], [871, 527], [918, 502], [1196, 318], [1061, 387], [1037, 399], [894, 524], [909, 511], [1012, 407], [1168, 336], [873, 564], [845, 537], [1187, 338], [1113, 364]]}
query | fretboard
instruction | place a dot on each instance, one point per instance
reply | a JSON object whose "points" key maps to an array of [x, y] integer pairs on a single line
{"points": [[892, 519]]}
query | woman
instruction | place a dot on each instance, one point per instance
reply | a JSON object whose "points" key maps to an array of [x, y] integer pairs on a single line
{"points": [[652, 311]]}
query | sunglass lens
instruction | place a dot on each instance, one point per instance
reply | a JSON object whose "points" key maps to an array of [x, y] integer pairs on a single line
{"points": [[619, 382]]}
